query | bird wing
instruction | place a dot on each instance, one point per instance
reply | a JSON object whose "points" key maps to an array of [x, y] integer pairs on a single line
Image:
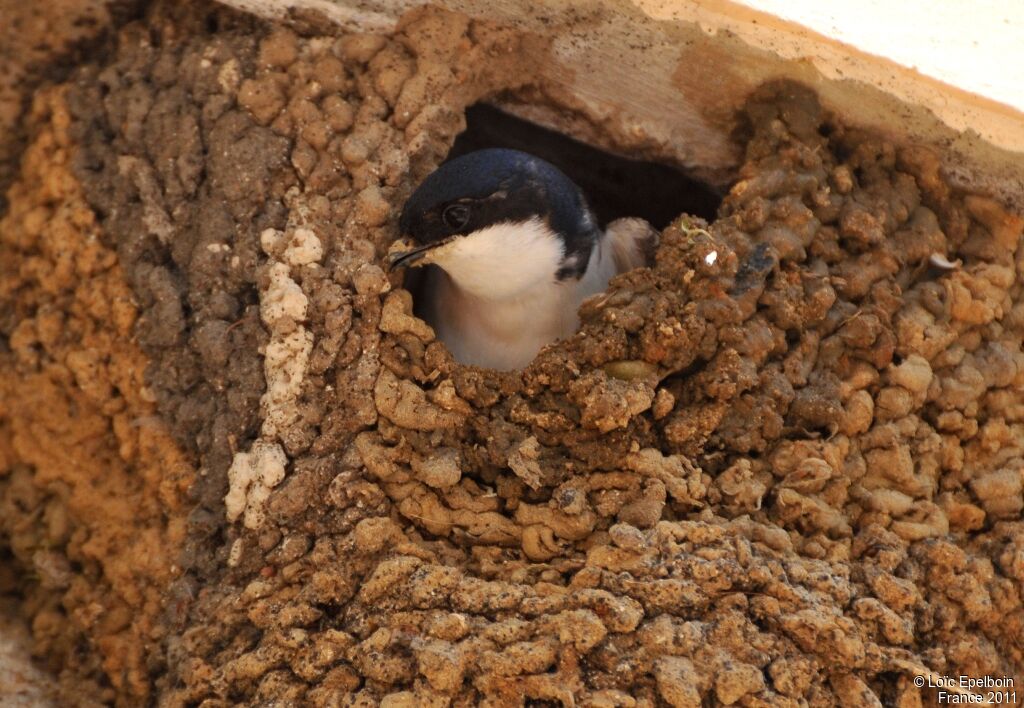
{"points": [[633, 241]]}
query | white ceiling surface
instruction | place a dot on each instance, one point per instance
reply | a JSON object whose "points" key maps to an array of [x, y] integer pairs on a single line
{"points": [[976, 45]]}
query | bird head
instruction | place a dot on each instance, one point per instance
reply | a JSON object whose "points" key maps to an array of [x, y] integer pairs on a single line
{"points": [[498, 222]]}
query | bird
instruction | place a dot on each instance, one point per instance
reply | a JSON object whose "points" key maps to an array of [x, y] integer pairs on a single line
{"points": [[516, 249]]}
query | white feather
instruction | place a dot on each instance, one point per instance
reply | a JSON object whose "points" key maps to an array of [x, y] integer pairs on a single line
{"points": [[633, 242]]}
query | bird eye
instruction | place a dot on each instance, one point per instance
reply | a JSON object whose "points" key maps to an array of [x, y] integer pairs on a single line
{"points": [[455, 216]]}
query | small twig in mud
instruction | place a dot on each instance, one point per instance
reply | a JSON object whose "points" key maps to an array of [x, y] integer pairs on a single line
{"points": [[687, 228], [237, 322], [851, 318]]}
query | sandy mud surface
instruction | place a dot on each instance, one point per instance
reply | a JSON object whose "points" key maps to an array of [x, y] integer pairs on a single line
{"points": [[40, 44], [780, 467]]}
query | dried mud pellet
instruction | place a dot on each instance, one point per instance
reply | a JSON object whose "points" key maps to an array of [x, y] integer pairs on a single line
{"points": [[678, 682], [440, 470], [736, 681], [893, 403], [450, 626], [330, 73], [317, 133], [279, 49], [360, 48], [914, 374], [1004, 227], [646, 511], [372, 209], [539, 542], [262, 97], [304, 158], [1001, 492], [663, 404], [303, 111], [390, 69], [338, 113]]}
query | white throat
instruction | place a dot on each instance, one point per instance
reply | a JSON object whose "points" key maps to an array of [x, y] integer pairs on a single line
{"points": [[498, 302], [503, 261]]}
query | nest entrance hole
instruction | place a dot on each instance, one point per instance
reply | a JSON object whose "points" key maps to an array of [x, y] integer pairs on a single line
{"points": [[615, 186]]}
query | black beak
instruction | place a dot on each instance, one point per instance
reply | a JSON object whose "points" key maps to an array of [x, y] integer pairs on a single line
{"points": [[407, 258]]}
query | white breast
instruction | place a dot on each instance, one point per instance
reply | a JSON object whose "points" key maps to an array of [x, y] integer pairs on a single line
{"points": [[496, 302]]}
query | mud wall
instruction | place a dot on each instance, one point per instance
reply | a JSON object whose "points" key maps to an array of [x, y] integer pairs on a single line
{"points": [[93, 488], [668, 78], [39, 44], [782, 465]]}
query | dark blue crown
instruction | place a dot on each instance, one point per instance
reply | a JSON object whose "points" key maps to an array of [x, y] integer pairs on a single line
{"points": [[497, 186]]}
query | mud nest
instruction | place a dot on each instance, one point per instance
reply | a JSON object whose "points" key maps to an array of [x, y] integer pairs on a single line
{"points": [[782, 466]]}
